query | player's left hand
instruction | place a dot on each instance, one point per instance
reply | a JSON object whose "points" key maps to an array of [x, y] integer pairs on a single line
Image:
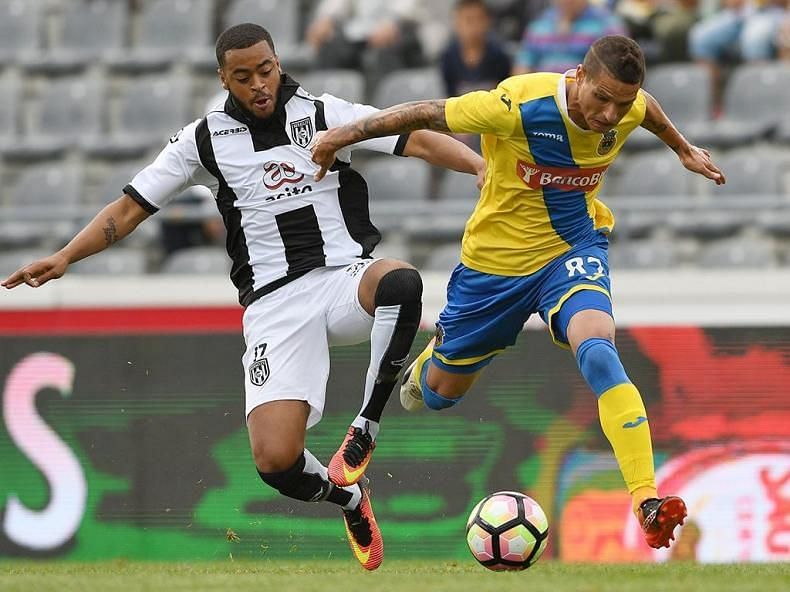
{"points": [[323, 149], [481, 176], [698, 160]]}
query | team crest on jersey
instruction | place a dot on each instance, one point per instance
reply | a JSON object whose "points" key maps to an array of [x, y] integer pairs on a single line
{"points": [[259, 369], [608, 140], [302, 131]]}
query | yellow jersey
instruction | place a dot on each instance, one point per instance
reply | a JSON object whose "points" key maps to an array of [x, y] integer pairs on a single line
{"points": [[544, 172]]}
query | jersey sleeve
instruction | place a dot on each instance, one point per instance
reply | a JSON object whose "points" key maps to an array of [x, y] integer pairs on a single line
{"points": [[339, 112], [176, 168], [484, 112]]}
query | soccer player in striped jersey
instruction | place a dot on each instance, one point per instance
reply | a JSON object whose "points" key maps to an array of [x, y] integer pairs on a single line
{"points": [[302, 264], [537, 240]]}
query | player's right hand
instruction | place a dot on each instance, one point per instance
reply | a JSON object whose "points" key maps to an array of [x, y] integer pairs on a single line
{"points": [[38, 273]]}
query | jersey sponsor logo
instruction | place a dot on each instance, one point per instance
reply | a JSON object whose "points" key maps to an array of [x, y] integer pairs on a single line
{"points": [[229, 132], [536, 176], [608, 140], [302, 131], [277, 173], [289, 192], [549, 135], [259, 369]]}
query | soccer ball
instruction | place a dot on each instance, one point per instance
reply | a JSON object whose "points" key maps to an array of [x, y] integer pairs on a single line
{"points": [[507, 530]]}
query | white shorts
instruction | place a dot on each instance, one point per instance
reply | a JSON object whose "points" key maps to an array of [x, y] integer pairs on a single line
{"points": [[288, 334]]}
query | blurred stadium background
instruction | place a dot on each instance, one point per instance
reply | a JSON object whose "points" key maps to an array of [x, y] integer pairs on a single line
{"points": [[122, 431]]}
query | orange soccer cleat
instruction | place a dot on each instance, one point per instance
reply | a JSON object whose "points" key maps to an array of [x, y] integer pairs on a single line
{"points": [[659, 517], [351, 459], [363, 533]]}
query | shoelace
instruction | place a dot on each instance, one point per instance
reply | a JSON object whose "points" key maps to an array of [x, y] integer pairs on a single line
{"points": [[357, 448], [649, 511], [359, 527]]}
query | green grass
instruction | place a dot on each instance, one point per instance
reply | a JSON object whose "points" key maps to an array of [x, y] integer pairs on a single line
{"points": [[393, 576]]}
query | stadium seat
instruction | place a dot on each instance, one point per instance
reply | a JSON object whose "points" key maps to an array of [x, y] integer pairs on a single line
{"points": [[739, 252], [111, 183], [652, 173], [67, 112], [9, 110], [51, 188], [345, 84], [115, 261], [40, 207], [755, 99], [637, 224], [167, 30], [281, 19], [776, 223], [646, 254], [21, 23], [85, 30], [443, 258], [395, 186], [684, 92], [752, 172], [395, 179], [197, 260], [411, 84], [151, 108], [707, 224]]}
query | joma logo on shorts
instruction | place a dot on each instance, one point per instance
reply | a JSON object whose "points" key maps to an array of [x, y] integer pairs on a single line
{"points": [[536, 176]]}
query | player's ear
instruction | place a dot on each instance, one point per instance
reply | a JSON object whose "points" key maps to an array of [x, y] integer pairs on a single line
{"points": [[580, 73], [222, 78]]}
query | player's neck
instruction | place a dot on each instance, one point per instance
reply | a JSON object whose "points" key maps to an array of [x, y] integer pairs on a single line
{"points": [[572, 101]]}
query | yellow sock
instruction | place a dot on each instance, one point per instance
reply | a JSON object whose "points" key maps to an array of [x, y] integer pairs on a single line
{"points": [[624, 422], [421, 359]]}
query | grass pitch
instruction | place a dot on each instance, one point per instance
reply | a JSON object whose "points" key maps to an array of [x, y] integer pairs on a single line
{"points": [[393, 576]]}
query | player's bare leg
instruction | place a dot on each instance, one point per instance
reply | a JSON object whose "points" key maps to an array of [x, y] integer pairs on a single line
{"points": [[277, 437], [624, 422], [447, 385], [391, 292]]}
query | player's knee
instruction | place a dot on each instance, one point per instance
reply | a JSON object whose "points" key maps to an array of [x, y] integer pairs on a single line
{"points": [[600, 364], [275, 457], [400, 286], [295, 483]]}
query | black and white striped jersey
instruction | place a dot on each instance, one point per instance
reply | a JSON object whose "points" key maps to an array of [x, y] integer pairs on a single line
{"points": [[280, 222]]}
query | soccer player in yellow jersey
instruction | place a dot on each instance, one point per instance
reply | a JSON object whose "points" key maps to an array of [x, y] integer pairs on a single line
{"points": [[537, 240]]}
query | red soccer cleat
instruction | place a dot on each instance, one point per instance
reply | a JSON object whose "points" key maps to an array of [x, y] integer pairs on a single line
{"points": [[351, 459], [659, 517], [363, 533]]}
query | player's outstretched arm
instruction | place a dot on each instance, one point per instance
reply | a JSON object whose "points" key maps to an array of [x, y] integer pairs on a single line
{"points": [[406, 117], [446, 152], [110, 225], [695, 159]]}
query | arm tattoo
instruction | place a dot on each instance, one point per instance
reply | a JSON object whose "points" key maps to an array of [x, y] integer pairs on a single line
{"points": [[110, 232], [655, 120], [404, 118]]}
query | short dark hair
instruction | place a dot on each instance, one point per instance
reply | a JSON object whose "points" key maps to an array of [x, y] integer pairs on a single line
{"points": [[240, 37], [621, 56]]}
